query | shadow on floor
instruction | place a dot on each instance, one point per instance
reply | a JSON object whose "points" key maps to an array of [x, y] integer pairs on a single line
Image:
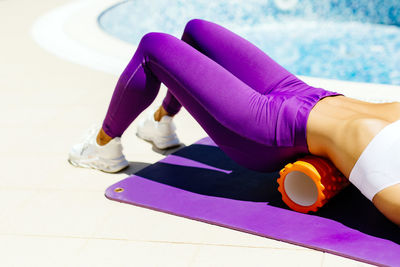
{"points": [[134, 167], [168, 151], [349, 207]]}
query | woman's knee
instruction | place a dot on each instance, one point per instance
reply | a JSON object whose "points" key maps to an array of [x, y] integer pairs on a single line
{"points": [[198, 27], [156, 40], [192, 24]]}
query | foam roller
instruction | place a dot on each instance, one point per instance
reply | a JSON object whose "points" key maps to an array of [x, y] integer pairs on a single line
{"points": [[307, 184]]}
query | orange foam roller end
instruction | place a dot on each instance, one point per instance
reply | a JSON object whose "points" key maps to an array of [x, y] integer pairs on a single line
{"points": [[307, 184]]}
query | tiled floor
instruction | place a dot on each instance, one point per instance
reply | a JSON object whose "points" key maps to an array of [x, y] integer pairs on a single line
{"points": [[52, 214]]}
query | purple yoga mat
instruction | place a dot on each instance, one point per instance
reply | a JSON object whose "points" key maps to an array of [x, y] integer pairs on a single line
{"points": [[255, 217]]}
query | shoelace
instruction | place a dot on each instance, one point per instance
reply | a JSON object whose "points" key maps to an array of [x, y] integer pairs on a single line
{"points": [[93, 130]]}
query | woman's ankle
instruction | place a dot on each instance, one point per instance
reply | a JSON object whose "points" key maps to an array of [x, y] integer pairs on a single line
{"points": [[102, 138], [160, 112]]}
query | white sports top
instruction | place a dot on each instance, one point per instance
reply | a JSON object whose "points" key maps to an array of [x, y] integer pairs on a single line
{"points": [[379, 164]]}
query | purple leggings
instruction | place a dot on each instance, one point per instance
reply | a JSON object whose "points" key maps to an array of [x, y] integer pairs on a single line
{"points": [[254, 109]]}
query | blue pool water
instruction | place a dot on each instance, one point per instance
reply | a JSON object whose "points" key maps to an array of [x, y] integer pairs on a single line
{"points": [[336, 39]]}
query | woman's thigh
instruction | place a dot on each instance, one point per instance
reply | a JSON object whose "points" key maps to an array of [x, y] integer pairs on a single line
{"points": [[239, 119], [236, 54]]}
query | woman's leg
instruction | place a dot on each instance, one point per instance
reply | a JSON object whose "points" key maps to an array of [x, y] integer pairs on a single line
{"points": [[234, 53], [250, 65], [240, 120], [170, 106]]}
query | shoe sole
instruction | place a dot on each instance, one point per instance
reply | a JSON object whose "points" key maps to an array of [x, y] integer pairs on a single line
{"points": [[88, 165], [165, 145]]}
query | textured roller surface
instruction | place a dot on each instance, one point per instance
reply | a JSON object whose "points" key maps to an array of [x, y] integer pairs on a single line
{"points": [[326, 178]]}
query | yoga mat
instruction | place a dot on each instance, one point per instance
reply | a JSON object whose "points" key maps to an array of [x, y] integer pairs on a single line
{"points": [[201, 183]]}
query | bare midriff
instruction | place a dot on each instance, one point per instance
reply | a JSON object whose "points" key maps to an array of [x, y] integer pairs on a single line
{"points": [[340, 128]]}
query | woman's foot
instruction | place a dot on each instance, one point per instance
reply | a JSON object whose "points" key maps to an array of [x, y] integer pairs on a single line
{"points": [[89, 154], [159, 129]]}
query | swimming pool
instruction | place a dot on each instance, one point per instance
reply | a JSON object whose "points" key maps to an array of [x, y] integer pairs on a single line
{"points": [[335, 39]]}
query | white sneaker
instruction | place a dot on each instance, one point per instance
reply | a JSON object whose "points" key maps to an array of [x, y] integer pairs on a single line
{"points": [[161, 133], [89, 154]]}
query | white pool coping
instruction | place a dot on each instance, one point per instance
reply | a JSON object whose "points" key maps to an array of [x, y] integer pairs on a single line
{"points": [[74, 37]]}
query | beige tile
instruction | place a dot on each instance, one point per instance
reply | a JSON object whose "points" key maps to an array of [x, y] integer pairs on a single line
{"points": [[47, 140], [28, 115], [81, 179], [38, 251], [10, 202], [74, 120], [220, 256], [58, 213], [131, 253], [33, 141], [50, 173], [223, 236], [28, 172], [331, 260], [61, 175], [126, 221]]}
